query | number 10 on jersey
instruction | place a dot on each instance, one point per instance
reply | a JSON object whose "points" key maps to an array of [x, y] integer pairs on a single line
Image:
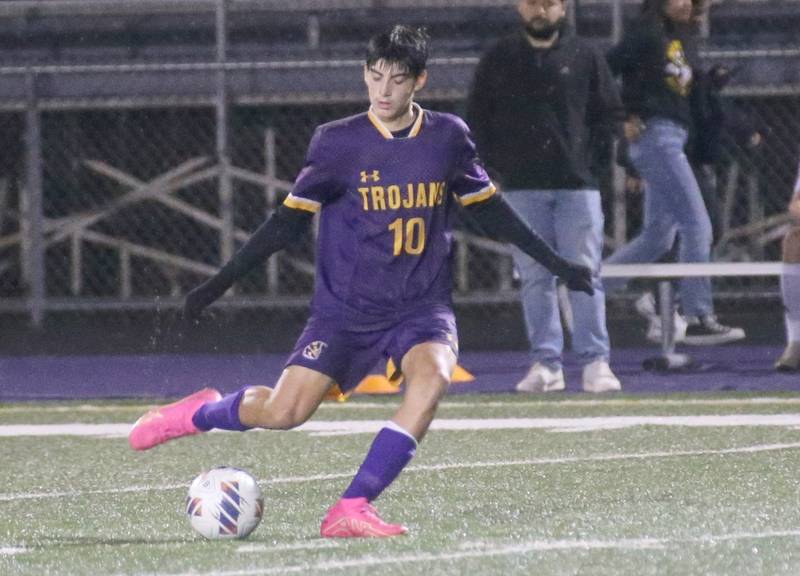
{"points": [[409, 236]]}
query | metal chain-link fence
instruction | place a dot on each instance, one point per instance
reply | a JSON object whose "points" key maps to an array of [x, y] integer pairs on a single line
{"points": [[141, 197]]}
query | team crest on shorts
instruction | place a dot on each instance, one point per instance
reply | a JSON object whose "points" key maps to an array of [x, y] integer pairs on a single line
{"points": [[314, 350]]}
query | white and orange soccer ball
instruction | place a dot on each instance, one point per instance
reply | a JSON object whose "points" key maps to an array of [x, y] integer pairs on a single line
{"points": [[224, 503]]}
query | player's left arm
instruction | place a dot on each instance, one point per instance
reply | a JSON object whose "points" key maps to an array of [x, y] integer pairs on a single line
{"points": [[476, 193], [500, 222]]}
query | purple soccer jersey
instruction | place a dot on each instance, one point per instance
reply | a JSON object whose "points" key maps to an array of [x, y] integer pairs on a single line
{"points": [[386, 211]]}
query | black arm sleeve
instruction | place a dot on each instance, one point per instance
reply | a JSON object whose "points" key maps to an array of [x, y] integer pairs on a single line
{"points": [[499, 221], [281, 230]]}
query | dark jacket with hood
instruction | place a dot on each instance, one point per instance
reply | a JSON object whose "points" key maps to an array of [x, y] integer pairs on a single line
{"points": [[658, 63], [535, 113]]}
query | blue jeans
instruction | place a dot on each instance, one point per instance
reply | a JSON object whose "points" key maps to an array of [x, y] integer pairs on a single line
{"points": [[673, 205], [572, 222]]}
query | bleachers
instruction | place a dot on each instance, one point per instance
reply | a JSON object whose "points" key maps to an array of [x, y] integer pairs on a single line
{"points": [[119, 31], [123, 32]]}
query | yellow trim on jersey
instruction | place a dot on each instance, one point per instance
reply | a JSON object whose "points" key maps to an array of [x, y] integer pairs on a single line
{"points": [[478, 196], [302, 204], [418, 122], [386, 133]]}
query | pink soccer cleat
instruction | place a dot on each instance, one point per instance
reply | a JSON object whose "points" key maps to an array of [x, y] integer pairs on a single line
{"points": [[170, 421], [357, 518]]}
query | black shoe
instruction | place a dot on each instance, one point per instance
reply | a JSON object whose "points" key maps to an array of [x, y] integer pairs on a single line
{"points": [[706, 331]]}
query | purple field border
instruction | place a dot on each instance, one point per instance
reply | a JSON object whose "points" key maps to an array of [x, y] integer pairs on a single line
{"points": [[730, 368]]}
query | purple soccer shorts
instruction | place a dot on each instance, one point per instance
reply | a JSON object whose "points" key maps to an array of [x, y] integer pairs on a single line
{"points": [[348, 352]]}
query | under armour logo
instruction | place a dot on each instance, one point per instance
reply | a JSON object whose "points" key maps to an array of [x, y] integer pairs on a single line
{"points": [[564, 70], [314, 350], [375, 176]]}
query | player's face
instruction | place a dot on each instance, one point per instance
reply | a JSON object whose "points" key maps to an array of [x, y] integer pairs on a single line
{"points": [[391, 90], [540, 15], [678, 10]]}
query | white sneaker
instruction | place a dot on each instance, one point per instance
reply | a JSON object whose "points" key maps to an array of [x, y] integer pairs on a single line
{"points": [[679, 325], [540, 378], [598, 377], [645, 305]]}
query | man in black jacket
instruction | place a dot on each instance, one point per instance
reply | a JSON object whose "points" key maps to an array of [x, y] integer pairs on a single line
{"points": [[539, 97]]}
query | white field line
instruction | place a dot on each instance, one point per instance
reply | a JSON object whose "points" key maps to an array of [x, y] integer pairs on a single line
{"points": [[44, 408], [311, 545], [12, 550], [79, 493], [611, 401], [485, 550], [427, 468], [343, 427], [585, 424]]}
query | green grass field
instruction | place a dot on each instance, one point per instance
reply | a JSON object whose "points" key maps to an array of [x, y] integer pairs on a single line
{"points": [[504, 485]]}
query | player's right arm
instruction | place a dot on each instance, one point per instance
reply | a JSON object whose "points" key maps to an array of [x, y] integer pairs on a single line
{"points": [[280, 231], [313, 187]]}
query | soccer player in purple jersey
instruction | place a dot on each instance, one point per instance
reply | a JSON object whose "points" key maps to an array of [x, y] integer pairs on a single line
{"points": [[386, 184]]}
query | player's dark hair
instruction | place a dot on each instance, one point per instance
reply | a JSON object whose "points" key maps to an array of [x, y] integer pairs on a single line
{"points": [[402, 45]]}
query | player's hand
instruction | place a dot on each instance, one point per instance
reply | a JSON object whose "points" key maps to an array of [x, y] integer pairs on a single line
{"points": [[577, 277]]}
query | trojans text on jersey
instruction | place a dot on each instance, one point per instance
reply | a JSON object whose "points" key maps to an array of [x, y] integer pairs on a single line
{"points": [[395, 196]]}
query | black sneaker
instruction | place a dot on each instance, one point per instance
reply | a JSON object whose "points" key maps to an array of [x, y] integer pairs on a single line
{"points": [[706, 331]]}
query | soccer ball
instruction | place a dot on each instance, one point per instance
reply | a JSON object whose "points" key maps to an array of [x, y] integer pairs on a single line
{"points": [[224, 503]]}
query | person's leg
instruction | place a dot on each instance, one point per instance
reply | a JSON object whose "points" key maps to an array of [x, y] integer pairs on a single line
{"points": [[324, 354], [658, 231], [427, 368], [538, 286], [790, 291], [674, 177], [296, 396], [706, 176], [579, 232], [668, 172]]}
